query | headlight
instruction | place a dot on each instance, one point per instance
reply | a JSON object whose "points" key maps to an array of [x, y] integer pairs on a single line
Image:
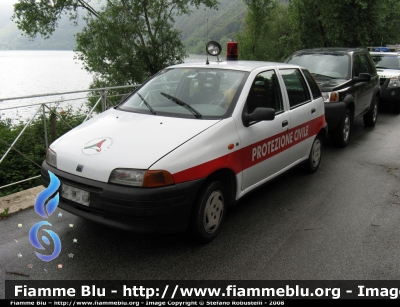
{"points": [[394, 82], [141, 178], [330, 96], [51, 157]]}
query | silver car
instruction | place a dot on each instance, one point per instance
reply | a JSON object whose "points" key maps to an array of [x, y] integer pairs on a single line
{"points": [[388, 67]]}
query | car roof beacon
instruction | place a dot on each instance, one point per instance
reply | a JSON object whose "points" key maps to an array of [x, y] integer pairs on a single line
{"points": [[232, 51]]}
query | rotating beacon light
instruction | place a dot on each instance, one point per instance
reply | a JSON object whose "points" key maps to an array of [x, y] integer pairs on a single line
{"points": [[232, 51]]}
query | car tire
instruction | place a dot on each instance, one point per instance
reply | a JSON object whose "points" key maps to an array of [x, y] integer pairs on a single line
{"points": [[340, 136], [396, 107], [371, 116], [209, 211], [314, 159]]}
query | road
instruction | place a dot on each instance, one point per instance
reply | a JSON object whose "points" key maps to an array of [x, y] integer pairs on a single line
{"points": [[341, 223]]}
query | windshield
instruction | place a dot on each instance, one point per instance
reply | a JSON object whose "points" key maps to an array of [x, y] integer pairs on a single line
{"points": [[335, 66], [382, 61], [188, 92]]}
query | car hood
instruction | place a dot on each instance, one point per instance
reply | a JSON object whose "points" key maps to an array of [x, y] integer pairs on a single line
{"points": [[118, 139], [328, 84], [388, 73]]}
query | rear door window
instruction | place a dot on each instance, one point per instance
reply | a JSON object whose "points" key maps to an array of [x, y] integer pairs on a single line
{"points": [[296, 87]]}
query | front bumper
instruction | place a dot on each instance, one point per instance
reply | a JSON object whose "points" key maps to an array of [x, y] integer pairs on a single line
{"points": [[389, 93], [155, 210], [333, 113]]}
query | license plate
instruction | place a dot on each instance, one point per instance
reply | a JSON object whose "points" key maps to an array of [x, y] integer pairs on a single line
{"points": [[77, 195]]}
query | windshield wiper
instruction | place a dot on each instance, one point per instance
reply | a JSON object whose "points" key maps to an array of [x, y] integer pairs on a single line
{"points": [[183, 104], [147, 105]]}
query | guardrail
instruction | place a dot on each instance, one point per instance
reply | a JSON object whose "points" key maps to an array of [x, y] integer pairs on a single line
{"points": [[44, 107]]}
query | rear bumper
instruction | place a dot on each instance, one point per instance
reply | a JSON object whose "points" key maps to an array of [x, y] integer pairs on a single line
{"points": [[156, 210]]}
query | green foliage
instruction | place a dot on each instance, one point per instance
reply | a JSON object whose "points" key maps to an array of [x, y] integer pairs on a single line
{"points": [[252, 39], [209, 24], [11, 38], [5, 212], [347, 23], [28, 153], [316, 23], [42, 16], [270, 39], [132, 40]]}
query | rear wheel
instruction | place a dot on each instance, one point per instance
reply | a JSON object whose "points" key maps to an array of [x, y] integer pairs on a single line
{"points": [[371, 117], [208, 212], [340, 136], [314, 158]]}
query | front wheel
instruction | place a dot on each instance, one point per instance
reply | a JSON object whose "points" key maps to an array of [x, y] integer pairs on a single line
{"points": [[314, 159], [208, 212], [371, 116], [340, 136]]}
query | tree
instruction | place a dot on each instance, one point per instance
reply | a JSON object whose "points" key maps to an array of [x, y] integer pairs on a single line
{"points": [[274, 31], [252, 39], [347, 23], [123, 42]]}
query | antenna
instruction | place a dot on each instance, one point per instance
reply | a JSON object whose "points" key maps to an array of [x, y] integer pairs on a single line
{"points": [[382, 42]]}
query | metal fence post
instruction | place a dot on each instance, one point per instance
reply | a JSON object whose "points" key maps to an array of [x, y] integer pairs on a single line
{"points": [[103, 100], [45, 128]]}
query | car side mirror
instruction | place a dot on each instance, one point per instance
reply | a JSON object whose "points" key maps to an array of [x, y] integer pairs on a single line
{"points": [[362, 77], [258, 114]]}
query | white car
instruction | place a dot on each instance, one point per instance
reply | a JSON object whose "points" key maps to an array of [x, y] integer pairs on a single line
{"points": [[191, 141], [388, 68]]}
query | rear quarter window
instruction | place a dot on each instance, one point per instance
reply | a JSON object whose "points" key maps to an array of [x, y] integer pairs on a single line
{"points": [[315, 91]]}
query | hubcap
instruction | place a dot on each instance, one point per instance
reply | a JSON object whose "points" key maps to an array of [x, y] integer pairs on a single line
{"points": [[316, 153], [213, 212], [346, 128]]}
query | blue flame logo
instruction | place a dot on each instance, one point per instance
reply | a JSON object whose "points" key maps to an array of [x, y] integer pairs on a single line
{"points": [[45, 210]]}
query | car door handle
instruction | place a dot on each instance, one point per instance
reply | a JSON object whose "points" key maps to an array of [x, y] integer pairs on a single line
{"points": [[312, 111], [285, 123]]}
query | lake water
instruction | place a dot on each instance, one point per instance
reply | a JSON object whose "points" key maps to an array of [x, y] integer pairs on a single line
{"points": [[36, 72]]}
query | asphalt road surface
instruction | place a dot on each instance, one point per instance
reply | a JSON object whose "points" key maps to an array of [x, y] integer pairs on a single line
{"points": [[340, 223]]}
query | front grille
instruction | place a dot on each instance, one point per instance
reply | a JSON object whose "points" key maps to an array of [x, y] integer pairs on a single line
{"points": [[382, 81]]}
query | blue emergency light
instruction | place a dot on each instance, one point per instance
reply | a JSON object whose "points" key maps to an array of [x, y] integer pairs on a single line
{"points": [[382, 49]]}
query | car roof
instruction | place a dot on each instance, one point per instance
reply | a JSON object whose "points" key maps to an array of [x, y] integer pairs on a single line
{"points": [[342, 50], [384, 53], [235, 65]]}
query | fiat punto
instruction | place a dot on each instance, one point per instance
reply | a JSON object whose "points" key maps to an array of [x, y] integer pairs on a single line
{"points": [[188, 143]]}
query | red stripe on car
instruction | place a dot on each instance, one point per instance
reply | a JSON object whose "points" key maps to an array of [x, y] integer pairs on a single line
{"points": [[254, 153]]}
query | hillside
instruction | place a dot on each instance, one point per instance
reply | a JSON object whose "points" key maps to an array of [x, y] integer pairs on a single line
{"points": [[222, 25], [11, 38]]}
